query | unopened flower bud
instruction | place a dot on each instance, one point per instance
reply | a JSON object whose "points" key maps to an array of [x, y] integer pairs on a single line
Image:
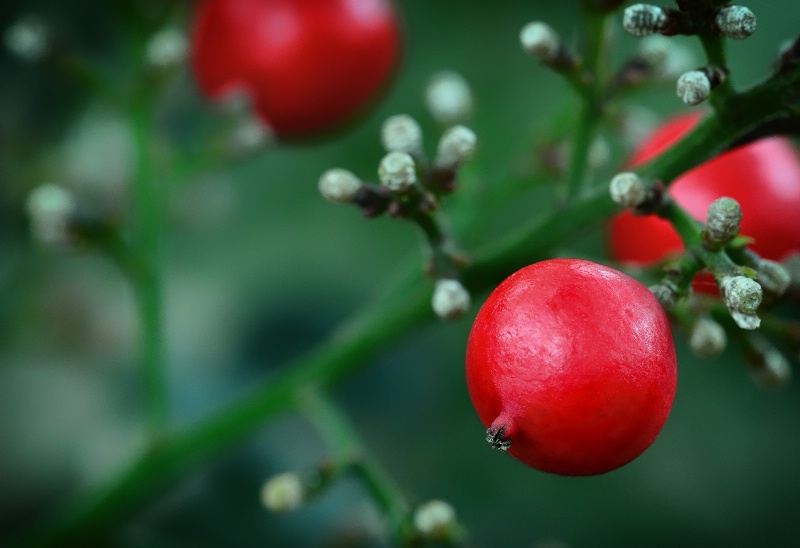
{"points": [[742, 297], [168, 47], [644, 19], [667, 59], [450, 299], [627, 189], [664, 294], [693, 87], [448, 98], [401, 133], [283, 493], [339, 185], [741, 293], [723, 219], [708, 338], [397, 171], [773, 277], [456, 146], [51, 208], [540, 40], [249, 134], [27, 38], [774, 371], [434, 519], [736, 22]]}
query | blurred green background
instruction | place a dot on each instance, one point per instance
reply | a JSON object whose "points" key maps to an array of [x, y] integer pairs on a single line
{"points": [[259, 268]]}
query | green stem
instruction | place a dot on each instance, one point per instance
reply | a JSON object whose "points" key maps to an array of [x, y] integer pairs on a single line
{"points": [[775, 98], [714, 47], [148, 204], [594, 25], [345, 441], [404, 307]]}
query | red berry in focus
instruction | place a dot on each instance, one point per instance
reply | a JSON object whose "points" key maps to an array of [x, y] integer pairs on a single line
{"points": [[763, 176], [571, 366], [308, 65]]}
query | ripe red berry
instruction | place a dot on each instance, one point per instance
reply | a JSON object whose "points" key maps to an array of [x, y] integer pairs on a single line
{"points": [[308, 65], [763, 176], [572, 363]]}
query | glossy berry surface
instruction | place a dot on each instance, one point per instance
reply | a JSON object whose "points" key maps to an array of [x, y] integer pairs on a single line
{"points": [[572, 363], [763, 176], [308, 65]]}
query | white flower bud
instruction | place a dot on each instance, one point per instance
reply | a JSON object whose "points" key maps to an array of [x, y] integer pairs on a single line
{"points": [[450, 299], [434, 518], [456, 146], [27, 38], [723, 219], [627, 189], [448, 98], [693, 87], [773, 277], [599, 153], [736, 22], [51, 207], [644, 19], [540, 41], [664, 294], [667, 58], [168, 47], [249, 134], [742, 297], [401, 133], [283, 493], [775, 372], [339, 185], [708, 338], [397, 171], [741, 293]]}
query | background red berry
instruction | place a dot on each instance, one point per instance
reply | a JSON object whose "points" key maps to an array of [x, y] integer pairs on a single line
{"points": [[308, 65], [763, 176], [575, 361]]}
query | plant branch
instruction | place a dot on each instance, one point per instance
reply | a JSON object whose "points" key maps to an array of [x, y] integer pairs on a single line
{"points": [[148, 204], [377, 326]]}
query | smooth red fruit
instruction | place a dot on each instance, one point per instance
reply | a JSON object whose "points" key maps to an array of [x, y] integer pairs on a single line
{"points": [[308, 65], [573, 363], [763, 176]]}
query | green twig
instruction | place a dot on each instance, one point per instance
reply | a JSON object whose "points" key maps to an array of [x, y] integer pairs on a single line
{"points": [[373, 329], [345, 441], [148, 204]]}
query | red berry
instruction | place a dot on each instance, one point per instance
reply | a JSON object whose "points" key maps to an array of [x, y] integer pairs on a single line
{"points": [[573, 364], [763, 176], [308, 65]]}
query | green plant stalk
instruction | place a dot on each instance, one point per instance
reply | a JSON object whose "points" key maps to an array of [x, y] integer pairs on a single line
{"points": [[334, 426], [714, 47], [774, 98], [405, 306], [592, 50], [147, 236]]}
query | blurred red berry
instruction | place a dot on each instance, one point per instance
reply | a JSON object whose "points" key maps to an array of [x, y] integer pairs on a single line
{"points": [[572, 363], [308, 65]]}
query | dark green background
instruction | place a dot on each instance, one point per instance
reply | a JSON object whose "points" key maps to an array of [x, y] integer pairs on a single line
{"points": [[252, 284]]}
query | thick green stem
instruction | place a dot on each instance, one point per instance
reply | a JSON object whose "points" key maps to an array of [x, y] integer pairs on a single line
{"points": [[148, 204]]}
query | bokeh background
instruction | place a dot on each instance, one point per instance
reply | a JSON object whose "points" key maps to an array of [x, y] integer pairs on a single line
{"points": [[259, 268]]}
